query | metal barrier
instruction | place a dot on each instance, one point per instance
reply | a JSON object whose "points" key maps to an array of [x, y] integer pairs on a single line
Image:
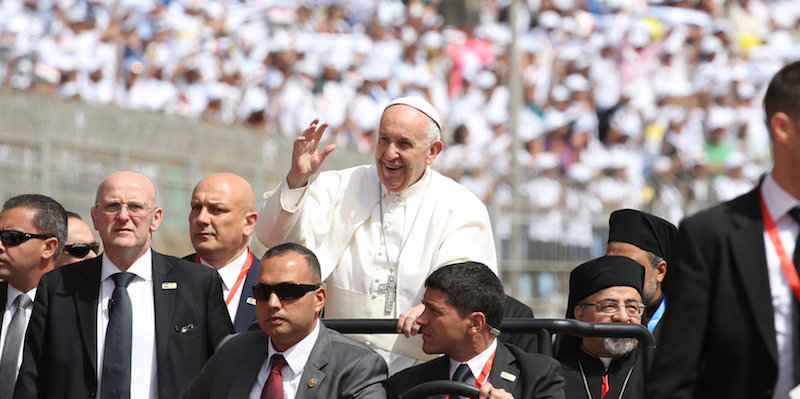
{"points": [[543, 328]]}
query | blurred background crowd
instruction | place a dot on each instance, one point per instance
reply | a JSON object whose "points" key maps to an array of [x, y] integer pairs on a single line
{"points": [[641, 104]]}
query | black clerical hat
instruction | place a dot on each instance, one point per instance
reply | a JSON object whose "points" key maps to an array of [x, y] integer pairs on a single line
{"points": [[603, 272], [646, 231]]}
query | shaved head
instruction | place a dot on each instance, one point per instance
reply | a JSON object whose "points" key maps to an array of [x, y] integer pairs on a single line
{"points": [[222, 217]]}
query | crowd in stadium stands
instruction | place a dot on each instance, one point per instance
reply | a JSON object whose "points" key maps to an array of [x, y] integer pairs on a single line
{"points": [[652, 105]]}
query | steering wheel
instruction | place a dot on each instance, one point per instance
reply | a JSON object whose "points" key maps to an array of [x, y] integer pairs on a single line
{"points": [[440, 387]]}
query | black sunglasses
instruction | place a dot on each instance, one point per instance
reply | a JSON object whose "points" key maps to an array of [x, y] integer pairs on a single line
{"points": [[284, 291], [80, 250], [12, 238]]}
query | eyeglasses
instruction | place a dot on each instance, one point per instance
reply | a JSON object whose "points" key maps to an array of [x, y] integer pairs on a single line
{"points": [[80, 250], [610, 307], [12, 238], [284, 291], [135, 209]]}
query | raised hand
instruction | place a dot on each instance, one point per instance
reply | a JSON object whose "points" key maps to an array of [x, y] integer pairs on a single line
{"points": [[306, 159]]}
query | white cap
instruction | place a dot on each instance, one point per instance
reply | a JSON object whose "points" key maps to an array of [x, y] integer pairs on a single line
{"points": [[422, 105]]}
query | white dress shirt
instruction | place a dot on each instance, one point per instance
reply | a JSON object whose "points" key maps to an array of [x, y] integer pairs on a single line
{"points": [[144, 380], [779, 202], [296, 358], [475, 364], [9, 312], [229, 274]]}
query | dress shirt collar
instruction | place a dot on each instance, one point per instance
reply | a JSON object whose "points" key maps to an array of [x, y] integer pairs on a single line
{"points": [[297, 356], [12, 294], [230, 272], [415, 189], [476, 363], [142, 267], [778, 201]]}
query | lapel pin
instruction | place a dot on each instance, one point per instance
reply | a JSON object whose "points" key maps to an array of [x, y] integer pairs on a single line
{"points": [[169, 285], [251, 301], [508, 376], [312, 383]]}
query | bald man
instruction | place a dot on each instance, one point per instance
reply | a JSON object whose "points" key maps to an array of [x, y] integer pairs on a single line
{"points": [[168, 312], [80, 241], [221, 221]]}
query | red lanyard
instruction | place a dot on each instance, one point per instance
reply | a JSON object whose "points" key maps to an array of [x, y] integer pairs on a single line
{"points": [[787, 265], [485, 372], [239, 280]]}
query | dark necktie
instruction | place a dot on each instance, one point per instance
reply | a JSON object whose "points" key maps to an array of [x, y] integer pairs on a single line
{"points": [[273, 388], [11, 350], [795, 213], [462, 374], [116, 379]]}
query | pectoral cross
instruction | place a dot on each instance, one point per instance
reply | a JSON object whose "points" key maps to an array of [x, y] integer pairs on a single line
{"points": [[389, 290]]}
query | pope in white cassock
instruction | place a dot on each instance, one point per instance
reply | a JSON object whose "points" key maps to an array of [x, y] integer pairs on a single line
{"points": [[380, 230]]}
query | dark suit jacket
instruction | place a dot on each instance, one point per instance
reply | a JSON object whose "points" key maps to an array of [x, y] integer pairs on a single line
{"points": [[246, 312], [3, 297], [717, 336], [60, 355], [342, 368], [537, 376], [517, 309]]}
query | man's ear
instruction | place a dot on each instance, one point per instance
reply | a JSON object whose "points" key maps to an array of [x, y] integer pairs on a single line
{"points": [[50, 247], [249, 223], [477, 322], [578, 313], [435, 149], [661, 271], [780, 126]]}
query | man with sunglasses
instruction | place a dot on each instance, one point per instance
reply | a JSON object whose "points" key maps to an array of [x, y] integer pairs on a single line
{"points": [[293, 355], [221, 221], [131, 323], [603, 290], [33, 229], [80, 241]]}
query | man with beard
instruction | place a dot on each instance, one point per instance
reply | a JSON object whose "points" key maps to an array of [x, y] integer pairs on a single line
{"points": [[646, 239], [603, 290]]}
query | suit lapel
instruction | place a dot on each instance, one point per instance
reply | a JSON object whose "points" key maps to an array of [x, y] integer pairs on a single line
{"points": [[246, 312], [749, 259], [503, 368], [313, 377], [3, 297], [87, 294], [164, 301]]}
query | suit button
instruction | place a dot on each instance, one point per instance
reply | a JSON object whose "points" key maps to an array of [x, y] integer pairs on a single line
{"points": [[92, 395]]}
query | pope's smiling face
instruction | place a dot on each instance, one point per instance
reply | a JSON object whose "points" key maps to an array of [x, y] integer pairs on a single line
{"points": [[404, 147]]}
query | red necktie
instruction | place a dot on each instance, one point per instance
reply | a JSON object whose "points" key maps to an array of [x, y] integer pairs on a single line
{"points": [[273, 389], [606, 387]]}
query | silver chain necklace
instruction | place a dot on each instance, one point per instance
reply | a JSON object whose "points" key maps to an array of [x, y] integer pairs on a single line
{"points": [[586, 383], [389, 290]]}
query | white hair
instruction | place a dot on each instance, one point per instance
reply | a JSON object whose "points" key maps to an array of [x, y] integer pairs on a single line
{"points": [[619, 346]]}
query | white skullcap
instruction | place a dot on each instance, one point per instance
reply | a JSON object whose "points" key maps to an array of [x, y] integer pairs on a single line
{"points": [[420, 104]]}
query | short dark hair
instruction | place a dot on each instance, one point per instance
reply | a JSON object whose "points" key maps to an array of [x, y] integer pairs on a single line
{"points": [[49, 218], [783, 92], [471, 287], [73, 215], [311, 260]]}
